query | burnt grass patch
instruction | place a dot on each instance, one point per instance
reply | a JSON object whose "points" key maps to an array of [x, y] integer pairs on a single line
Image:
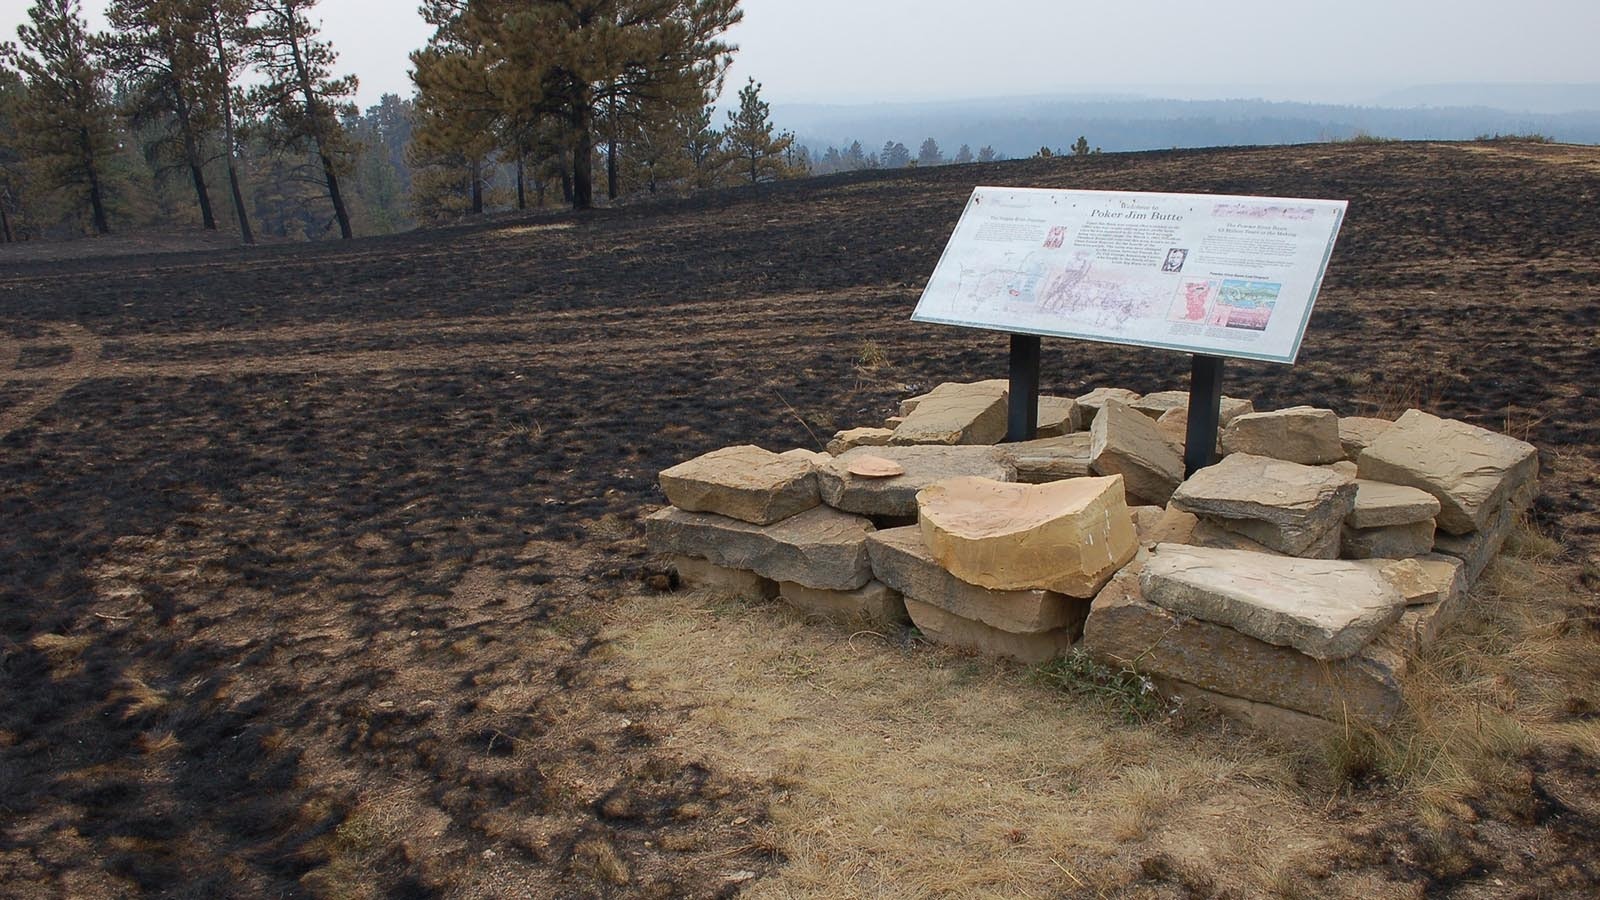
{"points": [[300, 584]]}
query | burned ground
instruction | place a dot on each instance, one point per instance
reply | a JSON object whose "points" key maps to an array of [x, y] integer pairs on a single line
{"points": [[307, 549]]}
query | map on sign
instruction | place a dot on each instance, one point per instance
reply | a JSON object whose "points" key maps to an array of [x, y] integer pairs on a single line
{"points": [[1200, 273]]}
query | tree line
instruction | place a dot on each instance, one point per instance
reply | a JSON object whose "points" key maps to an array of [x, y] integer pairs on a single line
{"points": [[234, 114]]}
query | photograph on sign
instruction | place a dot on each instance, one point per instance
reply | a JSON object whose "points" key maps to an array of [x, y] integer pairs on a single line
{"points": [[1199, 273]]}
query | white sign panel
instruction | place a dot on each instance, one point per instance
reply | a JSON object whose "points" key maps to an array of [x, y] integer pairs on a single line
{"points": [[1200, 273]]}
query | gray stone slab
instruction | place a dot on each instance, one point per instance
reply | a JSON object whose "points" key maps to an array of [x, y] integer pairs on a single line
{"points": [[1379, 504], [1387, 542], [1326, 609], [1289, 507], [1049, 459], [1470, 470], [819, 548], [925, 465]]}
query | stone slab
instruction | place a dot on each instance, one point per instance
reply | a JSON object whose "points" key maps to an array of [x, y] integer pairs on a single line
{"points": [[1126, 630], [1379, 504], [1470, 470], [1050, 459], [992, 385], [745, 483], [1297, 729], [1058, 416], [851, 438], [901, 560], [819, 548], [1387, 542], [1477, 549], [1289, 507], [1326, 609], [942, 627], [955, 413], [875, 603], [1299, 434], [925, 465], [703, 575], [1128, 443], [1356, 433], [1068, 536], [1153, 405], [1091, 403]]}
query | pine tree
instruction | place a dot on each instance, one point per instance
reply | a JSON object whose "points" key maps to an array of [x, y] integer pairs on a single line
{"points": [[302, 101], [895, 155], [226, 31], [1081, 147], [988, 154], [964, 155], [65, 120], [12, 176], [159, 48], [702, 145], [929, 154], [750, 140], [578, 59]]}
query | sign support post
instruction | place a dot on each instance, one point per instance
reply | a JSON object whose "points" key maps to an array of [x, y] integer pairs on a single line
{"points": [[1022, 413], [1205, 413]]}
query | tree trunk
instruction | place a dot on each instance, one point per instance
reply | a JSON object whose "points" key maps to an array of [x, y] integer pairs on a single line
{"points": [[566, 185], [582, 152], [224, 67], [5, 222], [477, 187], [191, 155], [522, 189], [97, 206], [245, 234], [337, 198]]}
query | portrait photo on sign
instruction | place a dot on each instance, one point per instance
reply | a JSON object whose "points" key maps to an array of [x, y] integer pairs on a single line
{"points": [[1176, 257]]}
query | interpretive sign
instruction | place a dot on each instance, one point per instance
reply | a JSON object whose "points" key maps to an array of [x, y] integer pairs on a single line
{"points": [[1198, 273]]}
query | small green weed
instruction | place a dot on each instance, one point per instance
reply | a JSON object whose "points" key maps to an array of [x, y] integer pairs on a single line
{"points": [[1127, 693]]}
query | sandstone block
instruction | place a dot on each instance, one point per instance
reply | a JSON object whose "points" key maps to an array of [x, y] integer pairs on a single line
{"points": [[1300, 434], [942, 627], [815, 457], [745, 483], [1153, 405], [819, 548], [992, 385], [897, 496], [852, 438], [1146, 519], [1069, 536], [1127, 443], [1049, 459], [1477, 549], [1094, 401], [1344, 468], [876, 603], [901, 560], [1126, 630], [1291, 508], [1294, 728], [1387, 542], [1444, 580], [1356, 433], [1058, 416], [957, 414], [1470, 470], [1379, 504], [704, 575], [1326, 609]]}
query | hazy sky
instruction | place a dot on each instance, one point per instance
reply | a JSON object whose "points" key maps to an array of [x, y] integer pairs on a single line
{"points": [[864, 50]]}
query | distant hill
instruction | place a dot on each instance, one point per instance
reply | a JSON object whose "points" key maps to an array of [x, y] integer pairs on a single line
{"points": [[1019, 126]]}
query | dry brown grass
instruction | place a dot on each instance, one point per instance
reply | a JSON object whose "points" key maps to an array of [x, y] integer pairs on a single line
{"points": [[914, 772]]}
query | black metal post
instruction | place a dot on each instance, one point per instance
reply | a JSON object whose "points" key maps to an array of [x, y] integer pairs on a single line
{"points": [[1022, 420], [1205, 414]]}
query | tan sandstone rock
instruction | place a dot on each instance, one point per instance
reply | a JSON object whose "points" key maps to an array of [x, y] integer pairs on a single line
{"points": [[1471, 470], [1291, 508], [943, 627], [1091, 403], [702, 575], [1126, 630], [1174, 423], [859, 437], [955, 413], [1356, 433], [901, 560], [1387, 541], [1380, 504], [1153, 405], [876, 603], [1326, 609], [1127, 443], [1058, 416], [1069, 536], [1300, 434], [896, 497], [1049, 459], [745, 483], [819, 548]]}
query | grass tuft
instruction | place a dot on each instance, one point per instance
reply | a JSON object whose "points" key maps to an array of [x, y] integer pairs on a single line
{"points": [[1123, 692]]}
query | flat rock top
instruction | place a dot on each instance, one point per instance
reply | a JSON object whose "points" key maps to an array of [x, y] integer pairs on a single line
{"points": [[745, 467], [1242, 483], [1097, 398], [1380, 504], [1153, 405], [935, 461], [977, 507], [1327, 609]]}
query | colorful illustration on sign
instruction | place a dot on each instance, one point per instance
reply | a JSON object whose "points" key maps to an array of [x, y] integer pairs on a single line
{"points": [[1246, 305], [1057, 237], [1194, 301]]}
